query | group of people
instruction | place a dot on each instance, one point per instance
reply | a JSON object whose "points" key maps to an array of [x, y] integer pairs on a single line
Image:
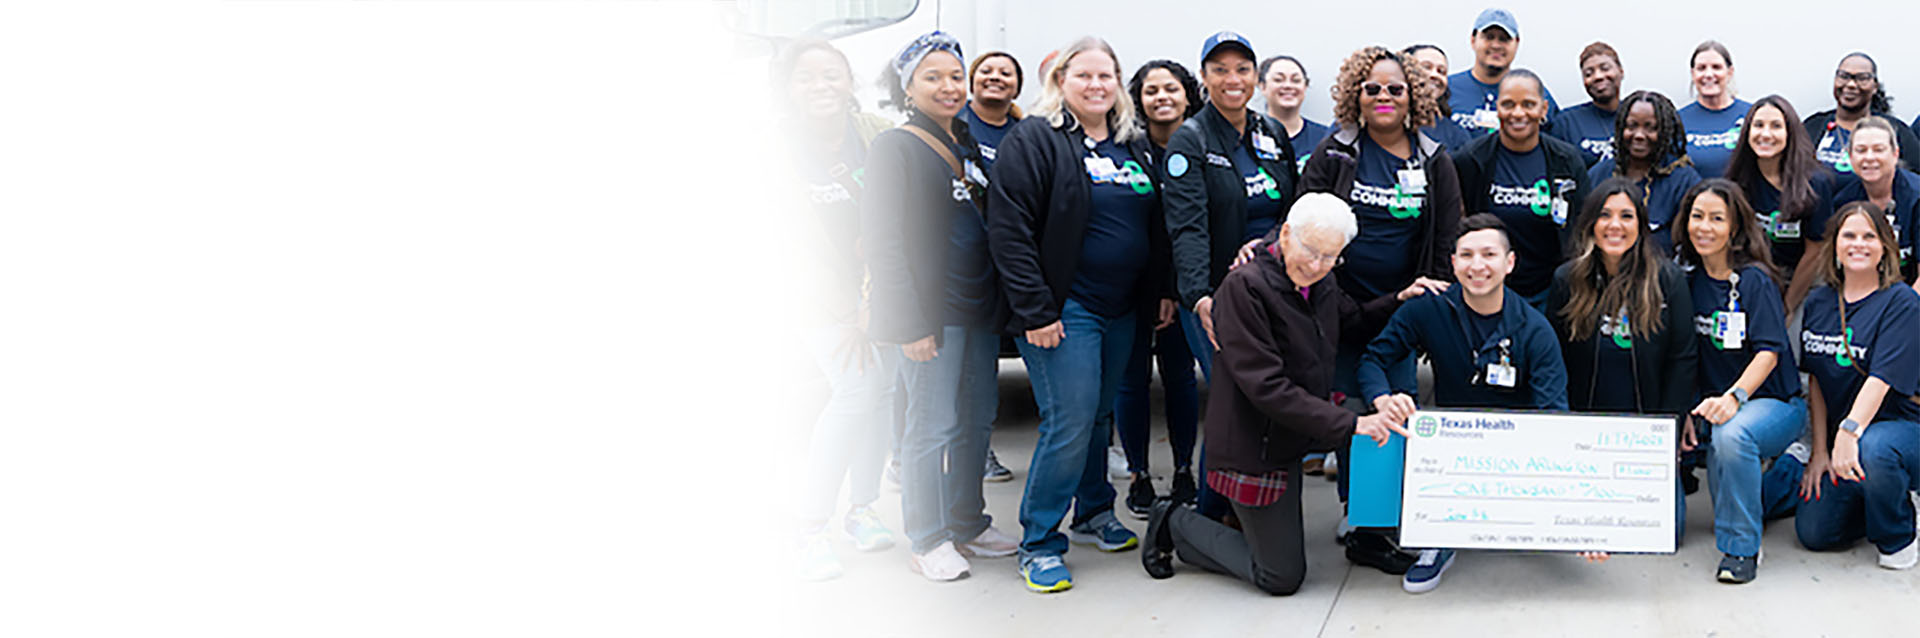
{"points": [[1725, 260]]}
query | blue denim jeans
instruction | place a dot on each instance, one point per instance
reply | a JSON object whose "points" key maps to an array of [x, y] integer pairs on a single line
{"points": [[1875, 507], [1133, 410], [951, 403], [1759, 431], [1074, 385]]}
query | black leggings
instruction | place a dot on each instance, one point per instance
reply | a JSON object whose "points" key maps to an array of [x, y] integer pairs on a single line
{"points": [[1270, 552]]}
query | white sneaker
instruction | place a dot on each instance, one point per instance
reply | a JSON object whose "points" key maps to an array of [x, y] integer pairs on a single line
{"points": [[815, 561], [1903, 559], [1340, 531], [1799, 450], [992, 543], [1117, 463], [941, 564]]}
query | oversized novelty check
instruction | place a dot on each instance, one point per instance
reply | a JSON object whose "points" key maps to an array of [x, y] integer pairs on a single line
{"points": [[1556, 482]]}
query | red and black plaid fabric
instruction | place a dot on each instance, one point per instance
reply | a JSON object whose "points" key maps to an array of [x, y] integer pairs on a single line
{"points": [[1251, 490]]}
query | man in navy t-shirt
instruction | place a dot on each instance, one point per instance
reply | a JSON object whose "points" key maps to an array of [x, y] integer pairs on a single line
{"points": [[1590, 125], [1496, 38]]}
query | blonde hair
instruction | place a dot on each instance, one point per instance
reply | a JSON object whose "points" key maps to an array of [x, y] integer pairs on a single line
{"points": [[1121, 119]]}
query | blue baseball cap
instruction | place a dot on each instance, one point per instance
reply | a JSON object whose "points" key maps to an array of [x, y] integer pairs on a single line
{"points": [[1226, 39], [1497, 18]]}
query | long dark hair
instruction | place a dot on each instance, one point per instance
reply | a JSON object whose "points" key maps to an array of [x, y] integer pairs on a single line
{"points": [[1797, 164], [1187, 83], [1889, 266], [1747, 245], [1673, 134], [1590, 292]]}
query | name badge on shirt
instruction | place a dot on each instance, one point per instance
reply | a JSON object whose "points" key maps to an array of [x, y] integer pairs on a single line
{"points": [[1264, 146], [1501, 375], [1787, 230], [1486, 119], [1413, 181], [1729, 329], [975, 175], [1219, 160]]}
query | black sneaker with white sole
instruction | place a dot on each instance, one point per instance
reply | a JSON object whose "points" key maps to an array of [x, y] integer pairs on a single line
{"points": [[1737, 570], [1140, 497]]}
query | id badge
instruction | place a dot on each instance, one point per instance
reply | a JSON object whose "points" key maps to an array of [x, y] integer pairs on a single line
{"points": [[1787, 230], [1413, 181], [1502, 376], [975, 174], [1486, 119], [1100, 169], [1559, 211], [1730, 329], [1264, 144]]}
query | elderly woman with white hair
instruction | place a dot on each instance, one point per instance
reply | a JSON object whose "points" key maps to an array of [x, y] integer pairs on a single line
{"points": [[1277, 319], [1076, 231]]}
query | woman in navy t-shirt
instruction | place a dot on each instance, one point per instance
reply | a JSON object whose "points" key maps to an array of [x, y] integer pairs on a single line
{"points": [[1651, 150], [1862, 357], [1284, 82], [1749, 386], [1714, 118], [1879, 179], [1789, 191]]}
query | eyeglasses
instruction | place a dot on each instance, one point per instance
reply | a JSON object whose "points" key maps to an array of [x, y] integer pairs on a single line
{"points": [[1314, 258], [1857, 78], [1395, 89]]}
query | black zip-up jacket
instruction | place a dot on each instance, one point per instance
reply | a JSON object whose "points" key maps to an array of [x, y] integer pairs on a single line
{"points": [[1206, 199], [1038, 204], [1816, 126], [1436, 325], [1275, 366], [1664, 363], [1331, 169], [904, 227], [1474, 163]]}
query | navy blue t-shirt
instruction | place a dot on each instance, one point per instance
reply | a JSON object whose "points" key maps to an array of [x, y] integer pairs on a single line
{"points": [[1790, 237], [986, 136], [1113, 252], [1263, 198], [1904, 215], [1481, 327], [1664, 195], [1720, 365], [1449, 134], [1613, 380], [1474, 103], [972, 290], [1380, 259], [1588, 127], [1832, 149], [1879, 338], [1307, 139], [1523, 197], [1711, 135]]}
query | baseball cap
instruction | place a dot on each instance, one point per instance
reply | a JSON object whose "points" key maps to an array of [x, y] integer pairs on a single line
{"points": [[1497, 18], [1226, 39]]}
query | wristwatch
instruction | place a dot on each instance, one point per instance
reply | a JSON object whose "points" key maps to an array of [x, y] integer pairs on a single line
{"points": [[1740, 394], [1850, 426]]}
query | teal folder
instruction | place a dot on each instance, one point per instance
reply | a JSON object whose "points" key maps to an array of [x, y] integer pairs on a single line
{"points": [[1373, 481]]}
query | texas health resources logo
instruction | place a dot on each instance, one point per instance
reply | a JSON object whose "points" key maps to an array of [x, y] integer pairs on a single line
{"points": [[1426, 426]]}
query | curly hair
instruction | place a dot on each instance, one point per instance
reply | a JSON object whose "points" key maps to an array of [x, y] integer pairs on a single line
{"points": [[1423, 105], [1670, 150]]}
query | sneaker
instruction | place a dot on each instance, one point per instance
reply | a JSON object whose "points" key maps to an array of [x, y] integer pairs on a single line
{"points": [[864, 528], [816, 561], [1313, 465], [1184, 492], [992, 543], [1117, 463], [940, 564], [1375, 550], [1105, 532], [1332, 466], [1425, 573], [1737, 569], [1157, 554], [996, 473], [1140, 496], [1904, 558], [1341, 530], [1046, 573], [1799, 450]]}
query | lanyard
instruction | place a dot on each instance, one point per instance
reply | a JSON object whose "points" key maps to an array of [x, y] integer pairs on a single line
{"points": [[1733, 292]]}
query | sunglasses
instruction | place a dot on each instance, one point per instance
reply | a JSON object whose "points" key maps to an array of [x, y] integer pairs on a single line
{"points": [[1373, 89]]}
